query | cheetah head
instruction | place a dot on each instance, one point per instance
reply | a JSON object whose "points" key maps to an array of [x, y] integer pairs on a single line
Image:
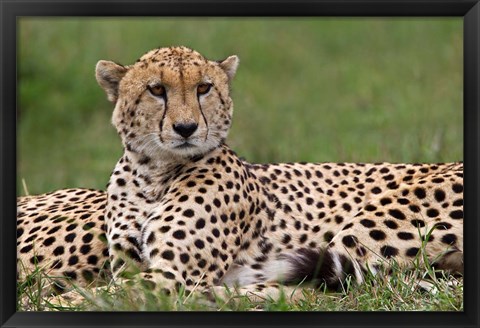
{"points": [[171, 102]]}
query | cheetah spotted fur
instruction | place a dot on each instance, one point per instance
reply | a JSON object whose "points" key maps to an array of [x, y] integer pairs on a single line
{"points": [[185, 209]]}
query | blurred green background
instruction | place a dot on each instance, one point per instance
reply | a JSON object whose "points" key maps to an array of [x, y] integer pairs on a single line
{"points": [[311, 89]]}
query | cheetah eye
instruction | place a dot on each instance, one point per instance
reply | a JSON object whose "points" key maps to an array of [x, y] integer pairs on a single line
{"points": [[203, 88], [157, 90]]}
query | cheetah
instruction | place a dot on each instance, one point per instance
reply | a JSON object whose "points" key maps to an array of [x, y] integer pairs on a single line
{"points": [[185, 210], [63, 233]]}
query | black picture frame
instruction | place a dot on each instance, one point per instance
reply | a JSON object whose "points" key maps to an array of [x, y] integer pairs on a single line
{"points": [[11, 10]]}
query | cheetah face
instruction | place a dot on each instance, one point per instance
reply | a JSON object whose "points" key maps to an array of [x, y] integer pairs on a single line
{"points": [[171, 102]]}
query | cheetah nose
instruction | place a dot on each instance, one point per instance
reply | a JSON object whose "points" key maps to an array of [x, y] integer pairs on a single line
{"points": [[185, 130]]}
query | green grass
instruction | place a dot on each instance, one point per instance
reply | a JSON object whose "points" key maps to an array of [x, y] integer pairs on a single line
{"points": [[420, 287], [399, 291], [306, 90]]}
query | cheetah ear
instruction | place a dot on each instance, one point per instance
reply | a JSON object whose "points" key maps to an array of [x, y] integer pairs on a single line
{"points": [[108, 76], [230, 66]]}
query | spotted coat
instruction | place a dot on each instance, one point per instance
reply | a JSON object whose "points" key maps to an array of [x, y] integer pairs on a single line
{"points": [[186, 210]]}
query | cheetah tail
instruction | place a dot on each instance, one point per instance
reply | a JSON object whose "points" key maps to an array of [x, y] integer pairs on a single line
{"points": [[323, 266]]}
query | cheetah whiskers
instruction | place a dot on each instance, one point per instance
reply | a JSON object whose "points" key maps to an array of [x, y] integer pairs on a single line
{"points": [[213, 137], [142, 144]]}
